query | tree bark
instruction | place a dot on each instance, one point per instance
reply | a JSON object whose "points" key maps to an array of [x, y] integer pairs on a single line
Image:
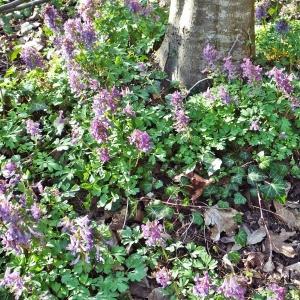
{"points": [[226, 24]]}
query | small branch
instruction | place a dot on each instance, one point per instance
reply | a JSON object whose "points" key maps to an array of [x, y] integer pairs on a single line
{"points": [[197, 83], [234, 44], [11, 4], [23, 6], [126, 214]]}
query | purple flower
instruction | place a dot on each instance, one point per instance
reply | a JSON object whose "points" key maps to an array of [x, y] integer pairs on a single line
{"points": [[141, 140], [255, 125], [67, 48], [81, 238], [14, 282], [224, 95], [105, 101], [36, 211], [128, 111], [232, 289], [52, 18], [9, 170], [152, 232], [87, 9], [76, 133], [261, 11], [208, 95], [210, 55], [33, 129], [181, 120], [282, 26], [142, 67], [278, 292], [76, 78], [2, 187], [134, 5], [229, 67], [31, 57], [94, 84], [99, 129], [250, 71], [282, 80], [202, 285], [88, 34], [176, 99], [104, 155], [15, 239], [163, 277], [73, 29], [8, 213]]}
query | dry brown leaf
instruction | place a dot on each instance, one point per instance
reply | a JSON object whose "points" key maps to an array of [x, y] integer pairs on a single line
{"points": [[279, 245], [256, 236], [269, 266], [199, 184], [254, 260], [221, 220], [290, 216]]}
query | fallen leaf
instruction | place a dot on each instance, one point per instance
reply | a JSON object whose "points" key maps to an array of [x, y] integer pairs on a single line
{"points": [[269, 266], [279, 245], [254, 260], [256, 236], [290, 216], [221, 220], [199, 184], [157, 294]]}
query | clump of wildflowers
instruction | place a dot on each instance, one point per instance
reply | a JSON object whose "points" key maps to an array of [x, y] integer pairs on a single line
{"points": [[163, 277], [251, 72], [282, 80], [33, 129], [104, 155], [51, 18], [261, 11], [14, 282], [105, 101], [76, 78], [99, 129], [224, 95], [229, 67], [202, 285], [179, 115], [36, 211], [128, 111], [282, 26], [254, 126], [141, 140], [31, 57], [278, 292], [232, 289], [152, 232], [87, 9], [81, 236], [9, 170], [210, 55]]}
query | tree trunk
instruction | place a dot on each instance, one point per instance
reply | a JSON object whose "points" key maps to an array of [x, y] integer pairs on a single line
{"points": [[226, 24]]}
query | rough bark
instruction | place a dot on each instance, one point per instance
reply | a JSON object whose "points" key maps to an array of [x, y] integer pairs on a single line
{"points": [[227, 24]]}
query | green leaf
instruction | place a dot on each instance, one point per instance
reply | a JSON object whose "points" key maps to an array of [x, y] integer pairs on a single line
{"points": [[239, 199], [138, 273], [234, 257], [254, 177], [241, 238], [197, 218], [273, 190]]}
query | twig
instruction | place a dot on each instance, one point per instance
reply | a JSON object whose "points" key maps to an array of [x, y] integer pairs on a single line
{"points": [[265, 225], [23, 6], [234, 44], [198, 82], [11, 4], [186, 231], [126, 213]]}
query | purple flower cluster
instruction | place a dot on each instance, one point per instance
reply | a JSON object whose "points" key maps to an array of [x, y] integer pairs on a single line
{"points": [[202, 285], [136, 7], [105, 101], [278, 292], [128, 111], [254, 126], [76, 78], [36, 211], [9, 170], [282, 26], [163, 277], [33, 129], [224, 95], [229, 67], [99, 129], [81, 237], [67, 48], [31, 57], [251, 72], [152, 232], [14, 282], [87, 9], [261, 11], [141, 140], [210, 55], [179, 115], [52, 19], [282, 80], [232, 289], [104, 155]]}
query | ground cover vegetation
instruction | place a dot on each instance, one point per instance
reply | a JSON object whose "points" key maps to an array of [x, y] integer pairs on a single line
{"points": [[116, 185]]}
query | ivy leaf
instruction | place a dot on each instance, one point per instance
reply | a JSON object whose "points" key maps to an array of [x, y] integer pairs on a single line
{"points": [[241, 238], [197, 218], [239, 199], [273, 190], [254, 177], [215, 166]]}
